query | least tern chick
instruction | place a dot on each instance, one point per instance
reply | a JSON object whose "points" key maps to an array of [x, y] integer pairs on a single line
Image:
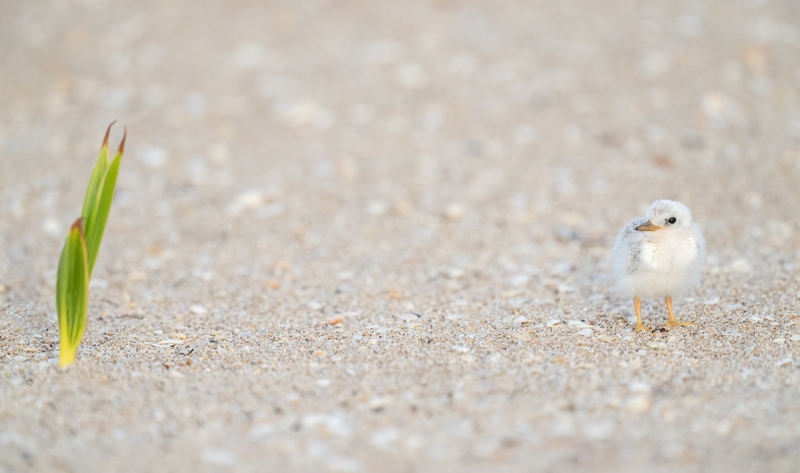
{"points": [[659, 255]]}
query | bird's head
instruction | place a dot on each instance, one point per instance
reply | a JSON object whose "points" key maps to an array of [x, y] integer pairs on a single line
{"points": [[666, 215]]}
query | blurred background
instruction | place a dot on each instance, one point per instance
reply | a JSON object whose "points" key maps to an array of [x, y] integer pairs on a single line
{"points": [[396, 140], [345, 207]]}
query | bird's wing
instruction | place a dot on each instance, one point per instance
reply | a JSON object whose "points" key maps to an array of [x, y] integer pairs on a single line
{"points": [[628, 248]]}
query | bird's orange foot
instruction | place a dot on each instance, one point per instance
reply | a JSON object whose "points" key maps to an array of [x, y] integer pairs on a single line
{"points": [[675, 323], [642, 328]]}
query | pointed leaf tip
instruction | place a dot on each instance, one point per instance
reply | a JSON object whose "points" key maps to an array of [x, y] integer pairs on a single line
{"points": [[108, 131], [77, 225], [121, 149]]}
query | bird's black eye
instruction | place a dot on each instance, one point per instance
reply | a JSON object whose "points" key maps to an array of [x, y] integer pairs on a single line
{"points": [[672, 220]]}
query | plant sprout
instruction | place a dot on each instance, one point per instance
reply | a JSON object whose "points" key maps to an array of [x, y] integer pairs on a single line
{"points": [[80, 252]]}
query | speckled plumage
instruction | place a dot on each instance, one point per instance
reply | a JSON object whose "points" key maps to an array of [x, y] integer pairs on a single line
{"points": [[659, 263]]}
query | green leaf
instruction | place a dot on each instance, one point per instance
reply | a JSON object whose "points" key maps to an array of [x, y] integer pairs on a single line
{"points": [[96, 181], [80, 252], [99, 194], [72, 293]]}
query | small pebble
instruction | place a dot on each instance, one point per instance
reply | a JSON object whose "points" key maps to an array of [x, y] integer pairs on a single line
{"points": [[741, 266], [334, 424], [246, 201], [304, 114], [460, 348], [314, 305], [377, 208], [410, 75], [197, 309], [52, 226], [454, 212], [641, 403], [552, 322], [587, 332], [795, 337], [519, 280], [379, 402], [137, 276], [455, 273], [154, 157], [523, 337]]}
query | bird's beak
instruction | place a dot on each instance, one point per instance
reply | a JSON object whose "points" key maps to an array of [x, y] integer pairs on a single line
{"points": [[648, 227]]}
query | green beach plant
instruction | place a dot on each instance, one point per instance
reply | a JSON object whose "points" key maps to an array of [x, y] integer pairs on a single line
{"points": [[80, 252]]}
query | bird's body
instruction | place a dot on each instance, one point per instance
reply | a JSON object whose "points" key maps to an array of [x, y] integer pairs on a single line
{"points": [[659, 255]]}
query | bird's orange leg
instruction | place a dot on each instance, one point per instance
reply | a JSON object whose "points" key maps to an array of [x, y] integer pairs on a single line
{"points": [[672, 322], [637, 304]]}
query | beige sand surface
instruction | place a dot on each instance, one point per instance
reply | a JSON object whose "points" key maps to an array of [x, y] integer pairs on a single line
{"points": [[445, 178]]}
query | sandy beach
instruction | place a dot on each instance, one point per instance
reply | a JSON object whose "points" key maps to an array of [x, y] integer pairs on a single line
{"points": [[374, 236]]}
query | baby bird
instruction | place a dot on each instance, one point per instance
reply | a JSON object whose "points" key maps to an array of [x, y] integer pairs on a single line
{"points": [[659, 255]]}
